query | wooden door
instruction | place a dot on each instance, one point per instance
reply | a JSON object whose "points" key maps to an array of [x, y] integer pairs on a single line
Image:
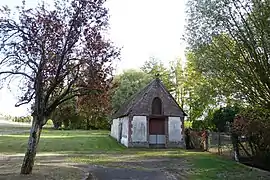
{"points": [[157, 131]]}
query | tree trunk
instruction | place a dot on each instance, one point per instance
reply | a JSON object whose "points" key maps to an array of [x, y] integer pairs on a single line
{"points": [[33, 141]]}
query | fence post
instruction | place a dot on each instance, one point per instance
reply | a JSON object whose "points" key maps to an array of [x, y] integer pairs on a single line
{"points": [[205, 140], [219, 143], [210, 137], [235, 142]]}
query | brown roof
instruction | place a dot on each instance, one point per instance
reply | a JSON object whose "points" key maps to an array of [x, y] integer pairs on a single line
{"points": [[127, 107]]}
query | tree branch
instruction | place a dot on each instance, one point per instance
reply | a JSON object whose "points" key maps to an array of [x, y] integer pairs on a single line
{"points": [[25, 102], [18, 73]]}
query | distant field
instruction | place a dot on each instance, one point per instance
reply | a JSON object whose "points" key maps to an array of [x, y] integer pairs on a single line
{"points": [[8, 123]]}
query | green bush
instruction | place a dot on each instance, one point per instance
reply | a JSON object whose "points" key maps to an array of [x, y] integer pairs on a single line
{"points": [[77, 122], [49, 122], [188, 124]]}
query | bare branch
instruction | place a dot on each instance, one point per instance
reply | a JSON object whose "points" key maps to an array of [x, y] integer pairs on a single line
{"points": [[25, 101], [18, 73]]}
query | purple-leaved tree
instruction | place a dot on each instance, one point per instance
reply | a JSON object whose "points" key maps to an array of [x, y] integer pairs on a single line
{"points": [[52, 50]]}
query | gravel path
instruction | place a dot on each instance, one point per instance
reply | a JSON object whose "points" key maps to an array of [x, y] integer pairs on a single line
{"points": [[147, 169], [107, 173]]}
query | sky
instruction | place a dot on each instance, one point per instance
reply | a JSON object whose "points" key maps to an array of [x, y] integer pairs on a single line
{"points": [[143, 28]]}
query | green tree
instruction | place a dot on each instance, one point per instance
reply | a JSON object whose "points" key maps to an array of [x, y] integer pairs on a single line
{"points": [[127, 84], [154, 68], [178, 78], [231, 41], [223, 117], [201, 95]]}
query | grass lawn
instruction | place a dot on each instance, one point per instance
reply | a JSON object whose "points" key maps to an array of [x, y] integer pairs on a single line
{"points": [[73, 151], [60, 141]]}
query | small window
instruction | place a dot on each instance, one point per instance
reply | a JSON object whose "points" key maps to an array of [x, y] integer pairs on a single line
{"points": [[156, 106]]}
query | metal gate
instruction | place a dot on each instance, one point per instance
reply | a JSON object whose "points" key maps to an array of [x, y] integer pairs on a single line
{"points": [[157, 131]]}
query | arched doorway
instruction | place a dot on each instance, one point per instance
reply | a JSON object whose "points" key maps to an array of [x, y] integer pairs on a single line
{"points": [[157, 124]]}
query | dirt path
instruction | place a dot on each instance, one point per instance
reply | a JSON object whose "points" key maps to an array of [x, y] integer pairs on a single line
{"points": [[147, 169], [47, 167]]}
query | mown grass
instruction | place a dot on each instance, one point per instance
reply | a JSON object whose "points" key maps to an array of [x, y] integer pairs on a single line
{"points": [[97, 147], [60, 141], [206, 166]]}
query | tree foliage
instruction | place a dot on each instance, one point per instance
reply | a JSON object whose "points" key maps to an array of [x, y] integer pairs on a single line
{"points": [[127, 84], [154, 68], [231, 41], [52, 51], [64, 113], [223, 117], [178, 79], [75, 114], [96, 107], [201, 94]]}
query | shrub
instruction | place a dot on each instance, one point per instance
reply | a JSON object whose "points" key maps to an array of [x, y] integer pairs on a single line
{"points": [[77, 122], [49, 122], [254, 124]]}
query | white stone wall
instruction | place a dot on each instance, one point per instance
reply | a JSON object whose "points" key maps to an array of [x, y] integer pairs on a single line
{"points": [[125, 127], [139, 129], [115, 129], [175, 130]]}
